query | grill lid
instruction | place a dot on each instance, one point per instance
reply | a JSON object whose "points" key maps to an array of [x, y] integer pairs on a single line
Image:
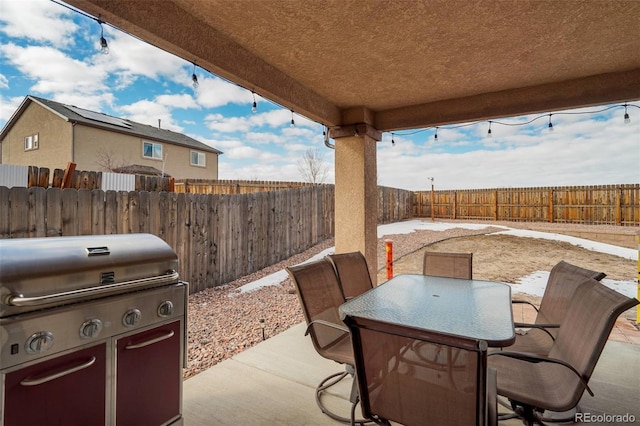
{"points": [[42, 272]]}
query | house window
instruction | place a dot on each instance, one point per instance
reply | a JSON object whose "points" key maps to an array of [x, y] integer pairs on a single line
{"points": [[152, 150], [198, 159], [31, 142]]}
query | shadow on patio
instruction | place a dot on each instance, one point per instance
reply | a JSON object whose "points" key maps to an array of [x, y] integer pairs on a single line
{"points": [[274, 383]]}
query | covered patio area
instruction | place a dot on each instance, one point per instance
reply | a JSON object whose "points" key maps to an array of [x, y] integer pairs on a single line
{"points": [[274, 383], [362, 68]]}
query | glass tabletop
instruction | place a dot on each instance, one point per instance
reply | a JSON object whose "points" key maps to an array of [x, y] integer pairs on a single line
{"points": [[468, 308]]}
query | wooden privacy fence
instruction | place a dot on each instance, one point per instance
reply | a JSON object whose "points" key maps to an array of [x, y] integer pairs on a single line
{"points": [[604, 204], [42, 177], [394, 204], [223, 186], [217, 238]]}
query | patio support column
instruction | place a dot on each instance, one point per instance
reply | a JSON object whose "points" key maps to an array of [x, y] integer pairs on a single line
{"points": [[356, 192]]}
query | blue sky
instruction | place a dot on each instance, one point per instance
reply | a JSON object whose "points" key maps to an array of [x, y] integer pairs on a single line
{"points": [[49, 51]]}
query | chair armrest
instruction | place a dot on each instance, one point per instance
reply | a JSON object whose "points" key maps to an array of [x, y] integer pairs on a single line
{"points": [[325, 323], [542, 327], [525, 302], [533, 358]]}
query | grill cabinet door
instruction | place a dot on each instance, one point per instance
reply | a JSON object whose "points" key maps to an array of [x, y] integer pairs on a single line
{"points": [[149, 376], [41, 395]]}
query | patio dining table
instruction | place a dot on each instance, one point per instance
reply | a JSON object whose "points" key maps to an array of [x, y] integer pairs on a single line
{"points": [[451, 306]]}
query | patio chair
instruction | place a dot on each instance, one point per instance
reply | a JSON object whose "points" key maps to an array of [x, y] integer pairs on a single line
{"points": [[395, 385], [534, 383], [451, 265], [353, 273], [563, 281], [320, 296]]}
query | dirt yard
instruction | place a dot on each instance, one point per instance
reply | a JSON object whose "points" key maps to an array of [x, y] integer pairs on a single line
{"points": [[506, 258]]}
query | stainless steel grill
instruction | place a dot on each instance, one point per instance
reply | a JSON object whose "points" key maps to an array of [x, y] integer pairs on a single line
{"points": [[83, 322]]}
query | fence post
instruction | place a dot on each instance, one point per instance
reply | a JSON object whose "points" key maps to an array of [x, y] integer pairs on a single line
{"points": [[551, 205]]}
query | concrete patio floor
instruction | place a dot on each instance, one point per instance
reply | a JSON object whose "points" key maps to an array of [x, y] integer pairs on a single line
{"points": [[274, 383]]}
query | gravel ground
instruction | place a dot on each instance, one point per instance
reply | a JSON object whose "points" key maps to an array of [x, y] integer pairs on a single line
{"points": [[223, 322]]}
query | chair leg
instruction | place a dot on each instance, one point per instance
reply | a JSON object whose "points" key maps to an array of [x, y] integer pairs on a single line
{"points": [[561, 417], [530, 415], [330, 381]]}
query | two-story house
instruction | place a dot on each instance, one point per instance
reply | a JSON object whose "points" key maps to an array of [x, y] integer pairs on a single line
{"points": [[49, 134]]}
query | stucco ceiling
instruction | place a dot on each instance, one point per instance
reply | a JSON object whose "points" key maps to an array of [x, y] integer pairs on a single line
{"points": [[401, 63]]}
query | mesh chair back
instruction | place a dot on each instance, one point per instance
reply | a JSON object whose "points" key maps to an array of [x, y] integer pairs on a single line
{"points": [[544, 382], [563, 281], [451, 265], [353, 273], [320, 296], [586, 328], [418, 378]]}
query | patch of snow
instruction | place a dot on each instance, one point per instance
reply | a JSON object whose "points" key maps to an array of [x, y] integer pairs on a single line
{"points": [[409, 226], [535, 284]]}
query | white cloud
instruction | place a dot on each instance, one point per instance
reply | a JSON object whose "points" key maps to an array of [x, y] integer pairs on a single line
{"points": [[130, 59], [38, 20], [213, 92], [7, 107], [61, 74], [149, 112], [606, 153]]}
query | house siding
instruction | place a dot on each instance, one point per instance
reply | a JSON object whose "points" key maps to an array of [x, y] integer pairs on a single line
{"points": [[126, 150], [61, 141], [54, 136]]}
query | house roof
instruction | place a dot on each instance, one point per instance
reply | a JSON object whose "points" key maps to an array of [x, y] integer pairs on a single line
{"points": [[401, 64], [103, 121]]}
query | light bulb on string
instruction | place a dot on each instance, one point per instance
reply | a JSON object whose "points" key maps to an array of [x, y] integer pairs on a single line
{"points": [[104, 46], [489, 131], [550, 124], [293, 123], [194, 77], [393, 142], [254, 107], [435, 136], [627, 119]]}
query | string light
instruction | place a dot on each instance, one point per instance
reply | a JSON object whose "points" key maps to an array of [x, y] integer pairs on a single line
{"points": [[254, 107], [194, 77], [104, 46], [627, 119], [393, 142]]}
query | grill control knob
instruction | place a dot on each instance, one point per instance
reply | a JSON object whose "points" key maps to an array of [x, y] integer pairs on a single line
{"points": [[131, 318], [90, 328], [39, 342], [165, 309]]}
